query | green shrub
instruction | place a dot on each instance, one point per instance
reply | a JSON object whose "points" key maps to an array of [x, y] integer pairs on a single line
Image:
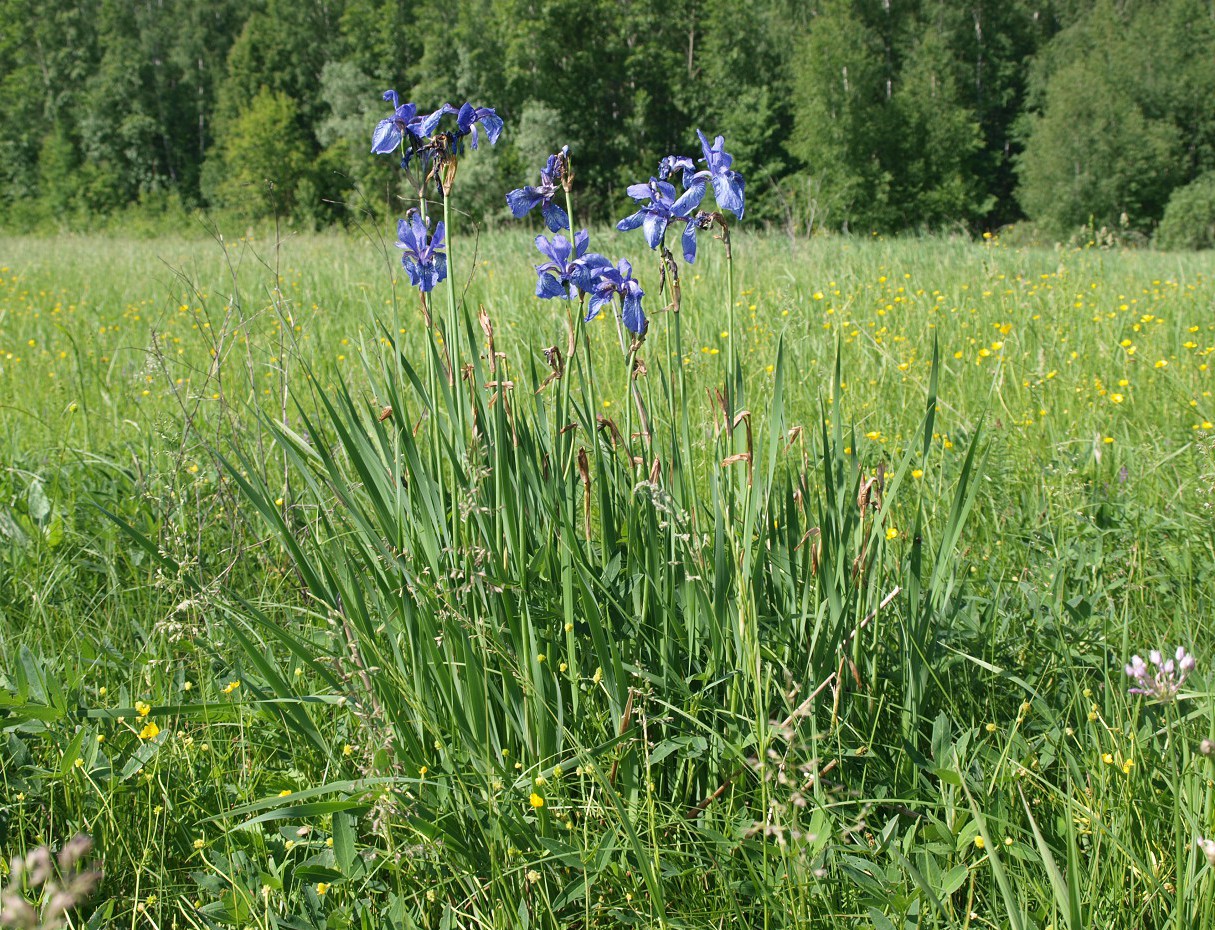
{"points": [[1189, 218]]}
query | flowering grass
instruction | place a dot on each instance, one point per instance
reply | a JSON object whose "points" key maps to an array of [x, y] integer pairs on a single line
{"points": [[949, 742]]}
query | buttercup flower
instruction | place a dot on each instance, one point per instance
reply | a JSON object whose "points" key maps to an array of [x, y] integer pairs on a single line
{"points": [[525, 199], [424, 263]]}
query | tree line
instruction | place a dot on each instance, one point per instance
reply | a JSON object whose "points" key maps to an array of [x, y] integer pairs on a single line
{"points": [[845, 114]]}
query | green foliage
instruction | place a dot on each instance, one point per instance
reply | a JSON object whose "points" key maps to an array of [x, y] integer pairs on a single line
{"points": [[1078, 167], [840, 123], [1189, 218], [938, 139], [842, 114], [261, 161], [1112, 133], [56, 172], [880, 121]]}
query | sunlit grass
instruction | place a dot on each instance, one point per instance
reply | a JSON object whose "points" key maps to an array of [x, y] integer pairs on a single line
{"points": [[142, 708]]}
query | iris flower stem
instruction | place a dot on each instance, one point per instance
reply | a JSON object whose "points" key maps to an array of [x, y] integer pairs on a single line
{"points": [[684, 428], [567, 456], [628, 407], [731, 381], [452, 339], [732, 401], [432, 385]]}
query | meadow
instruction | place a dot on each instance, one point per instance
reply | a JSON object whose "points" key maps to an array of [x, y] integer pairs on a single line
{"points": [[305, 634]]}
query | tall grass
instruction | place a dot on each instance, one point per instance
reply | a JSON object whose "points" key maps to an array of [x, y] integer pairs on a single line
{"points": [[515, 673]]}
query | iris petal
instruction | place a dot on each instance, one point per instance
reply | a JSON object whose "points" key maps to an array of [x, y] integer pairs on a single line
{"points": [[631, 221], [548, 287], [428, 124], [522, 200], [492, 122], [638, 191], [596, 304], [689, 200], [554, 216], [545, 247], [655, 225], [386, 137], [466, 116], [633, 316], [688, 239], [728, 190]]}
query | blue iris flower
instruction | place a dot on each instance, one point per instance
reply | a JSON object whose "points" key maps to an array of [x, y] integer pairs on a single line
{"points": [[425, 264], [526, 199], [727, 184], [389, 132], [569, 269], [610, 282], [467, 118], [662, 209], [672, 163]]}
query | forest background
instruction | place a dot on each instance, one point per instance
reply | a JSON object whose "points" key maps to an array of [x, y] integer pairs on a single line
{"points": [[858, 115]]}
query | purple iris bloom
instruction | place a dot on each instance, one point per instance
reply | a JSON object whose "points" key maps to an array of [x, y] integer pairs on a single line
{"points": [[727, 184], [425, 264], [569, 269], [525, 199], [611, 281], [389, 132], [672, 163], [701, 220], [467, 118], [662, 209]]}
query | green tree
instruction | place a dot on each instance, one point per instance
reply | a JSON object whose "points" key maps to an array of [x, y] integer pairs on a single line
{"points": [[1189, 218], [1105, 144], [261, 158], [842, 128], [937, 139]]}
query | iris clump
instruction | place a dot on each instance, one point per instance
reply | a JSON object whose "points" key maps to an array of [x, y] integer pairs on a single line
{"points": [[1163, 678], [525, 199], [425, 263], [423, 257], [570, 270]]}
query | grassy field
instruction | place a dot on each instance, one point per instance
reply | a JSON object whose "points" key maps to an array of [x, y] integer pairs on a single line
{"points": [[302, 635]]}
